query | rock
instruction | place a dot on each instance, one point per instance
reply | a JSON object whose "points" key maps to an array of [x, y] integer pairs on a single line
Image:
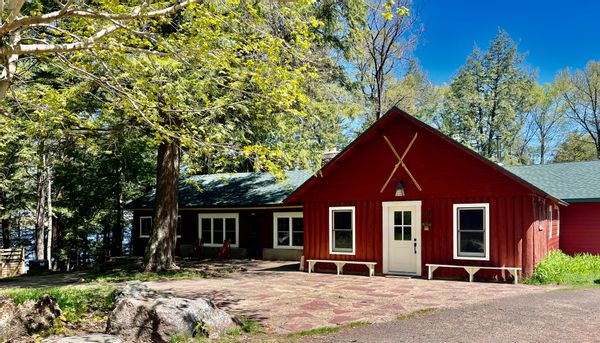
{"points": [[91, 338], [11, 324], [145, 315], [39, 315]]}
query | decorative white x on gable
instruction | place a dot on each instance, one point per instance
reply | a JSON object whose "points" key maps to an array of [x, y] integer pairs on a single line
{"points": [[400, 163]]}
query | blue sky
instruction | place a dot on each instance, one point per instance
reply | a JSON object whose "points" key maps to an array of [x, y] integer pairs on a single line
{"points": [[553, 34]]}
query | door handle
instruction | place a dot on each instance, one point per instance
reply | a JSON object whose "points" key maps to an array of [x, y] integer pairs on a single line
{"points": [[415, 245]]}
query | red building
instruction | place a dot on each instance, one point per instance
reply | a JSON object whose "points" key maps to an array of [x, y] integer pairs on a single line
{"points": [[578, 184], [404, 195]]}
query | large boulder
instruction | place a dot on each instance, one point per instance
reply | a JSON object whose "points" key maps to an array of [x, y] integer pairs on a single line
{"points": [[144, 315]]}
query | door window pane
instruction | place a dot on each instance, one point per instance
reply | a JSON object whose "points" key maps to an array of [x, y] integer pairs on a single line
{"points": [[407, 215], [397, 217], [397, 233], [407, 233]]}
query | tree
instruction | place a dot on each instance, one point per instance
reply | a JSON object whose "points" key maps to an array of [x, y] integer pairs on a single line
{"points": [[576, 147], [547, 120], [581, 93], [36, 28], [389, 39], [489, 98]]}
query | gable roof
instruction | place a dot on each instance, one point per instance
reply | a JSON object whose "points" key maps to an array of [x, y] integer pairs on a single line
{"points": [[569, 181], [383, 120], [231, 190]]}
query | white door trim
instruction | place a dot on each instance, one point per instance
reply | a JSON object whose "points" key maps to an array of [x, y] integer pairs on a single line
{"points": [[385, 228]]}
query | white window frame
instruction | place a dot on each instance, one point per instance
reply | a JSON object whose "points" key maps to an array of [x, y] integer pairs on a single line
{"points": [[550, 220], [455, 209], [289, 216], [352, 210], [558, 223], [152, 223], [211, 216]]}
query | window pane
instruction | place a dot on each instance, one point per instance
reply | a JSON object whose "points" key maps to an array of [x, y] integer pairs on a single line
{"points": [[283, 224], [230, 229], [206, 225], [342, 220], [397, 233], [298, 224], [283, 238], [298, 238], [397, 217], [342, 240], [407, 232], [145, 226], [218, 230], [407, 217], [471, 219], [471, 242]]}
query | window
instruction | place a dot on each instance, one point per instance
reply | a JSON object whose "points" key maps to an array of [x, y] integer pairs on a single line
{"points": [[215, 228], [288, 230], [471, 231], [341, 230], [550, 220], [146, 226]]}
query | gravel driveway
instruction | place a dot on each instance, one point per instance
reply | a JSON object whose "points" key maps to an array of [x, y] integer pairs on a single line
{"points": [[556, 316]]}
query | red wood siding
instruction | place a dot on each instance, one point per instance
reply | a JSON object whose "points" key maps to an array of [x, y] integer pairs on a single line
{"points": [[448, 175], [580, 228]]}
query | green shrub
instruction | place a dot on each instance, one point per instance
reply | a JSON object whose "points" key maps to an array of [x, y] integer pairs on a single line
{"points": [[78, 303], [561, 269]]}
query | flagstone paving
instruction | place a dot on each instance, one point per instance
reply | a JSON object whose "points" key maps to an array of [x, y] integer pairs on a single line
{"points": [[286, 301]]}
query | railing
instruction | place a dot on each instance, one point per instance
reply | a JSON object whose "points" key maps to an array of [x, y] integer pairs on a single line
{"points": [[12, 262]]}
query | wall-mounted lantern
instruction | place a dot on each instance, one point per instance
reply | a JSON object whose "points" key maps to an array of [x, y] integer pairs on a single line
{"points": [[400, 189]]}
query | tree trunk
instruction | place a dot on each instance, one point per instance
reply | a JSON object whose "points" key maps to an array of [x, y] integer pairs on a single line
{"points": [[116, 247], [49, 198], [159, 251], [40, 212], [5, 233]]}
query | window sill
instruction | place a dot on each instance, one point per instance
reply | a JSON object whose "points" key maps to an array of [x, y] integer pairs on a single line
{"points": [[288, 247], [342, 253], [219, 245], [474, 258]]}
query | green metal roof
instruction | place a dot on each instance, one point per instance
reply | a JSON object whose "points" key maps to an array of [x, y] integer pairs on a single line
{"points": [[568, 181], [231, 190]]}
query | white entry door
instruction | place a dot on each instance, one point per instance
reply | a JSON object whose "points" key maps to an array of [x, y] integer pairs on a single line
{"points": [[402, 235]]}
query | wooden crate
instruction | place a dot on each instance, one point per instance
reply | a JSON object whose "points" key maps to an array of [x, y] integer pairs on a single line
{"points": [[12, 262]]}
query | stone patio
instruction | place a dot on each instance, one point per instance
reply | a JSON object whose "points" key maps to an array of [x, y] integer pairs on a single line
{"points": [[284, 300]]}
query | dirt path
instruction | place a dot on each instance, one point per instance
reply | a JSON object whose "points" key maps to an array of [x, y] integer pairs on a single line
{"points": [[557, 316]]}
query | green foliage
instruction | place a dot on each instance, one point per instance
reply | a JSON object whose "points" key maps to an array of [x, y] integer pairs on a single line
{"points": [[579, 90], [561, 269], [78, 303], [576, 147], [489, 98], [327, 330]]}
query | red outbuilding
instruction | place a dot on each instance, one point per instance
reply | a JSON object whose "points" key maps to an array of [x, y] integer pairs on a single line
{"points": [[404, 195]]}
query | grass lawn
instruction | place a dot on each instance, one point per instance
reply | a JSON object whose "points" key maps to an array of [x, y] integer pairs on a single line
{"points": [[559, 268]]}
